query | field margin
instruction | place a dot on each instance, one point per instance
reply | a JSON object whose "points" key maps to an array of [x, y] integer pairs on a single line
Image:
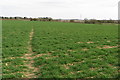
{"points": [[0, 49]]}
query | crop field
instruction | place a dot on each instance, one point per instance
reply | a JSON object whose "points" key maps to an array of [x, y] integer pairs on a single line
{"points": [[36, 49]]}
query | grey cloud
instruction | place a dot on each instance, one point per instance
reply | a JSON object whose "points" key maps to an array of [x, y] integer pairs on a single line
{"points": [[60, 8]]}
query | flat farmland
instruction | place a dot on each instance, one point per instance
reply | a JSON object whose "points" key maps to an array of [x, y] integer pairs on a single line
{"points": [[36, 49]]}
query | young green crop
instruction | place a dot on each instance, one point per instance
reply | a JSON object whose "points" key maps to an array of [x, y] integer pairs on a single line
{"points": [[75, 50], [61, 50], [15, 39]]}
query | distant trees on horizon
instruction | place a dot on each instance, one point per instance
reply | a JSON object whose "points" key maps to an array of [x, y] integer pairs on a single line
{"points": [[87, 21], [31, 19], [94, 21]]}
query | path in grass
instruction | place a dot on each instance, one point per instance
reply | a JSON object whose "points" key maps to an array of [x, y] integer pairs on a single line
{"points": [[29, 63]]}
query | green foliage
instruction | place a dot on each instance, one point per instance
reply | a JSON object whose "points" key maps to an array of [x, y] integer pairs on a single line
{"points": [[15, 39], [67, 50], [66, 58]]}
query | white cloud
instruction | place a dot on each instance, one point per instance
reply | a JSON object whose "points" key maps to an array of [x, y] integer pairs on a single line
{"points": [[99, 9]]}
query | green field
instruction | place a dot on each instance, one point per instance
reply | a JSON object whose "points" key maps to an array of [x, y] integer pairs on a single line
{"points": [[34, 49]]}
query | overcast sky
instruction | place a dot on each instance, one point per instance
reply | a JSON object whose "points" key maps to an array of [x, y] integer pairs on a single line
{"points": [[61, 9]]}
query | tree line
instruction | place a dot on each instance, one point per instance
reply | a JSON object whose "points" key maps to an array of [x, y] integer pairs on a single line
{"points": [[94, 21], [30, 19], [87, 21]]}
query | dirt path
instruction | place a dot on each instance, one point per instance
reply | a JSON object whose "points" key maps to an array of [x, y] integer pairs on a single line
{"points": [[29, 63]]}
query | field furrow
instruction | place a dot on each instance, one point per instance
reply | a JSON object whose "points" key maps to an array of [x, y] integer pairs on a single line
{"points": [[15, 45], [30, 62]]}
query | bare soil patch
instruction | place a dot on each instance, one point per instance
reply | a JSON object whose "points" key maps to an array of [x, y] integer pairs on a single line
{"points": [[85, 49], [90, 42], [107, 47]]}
